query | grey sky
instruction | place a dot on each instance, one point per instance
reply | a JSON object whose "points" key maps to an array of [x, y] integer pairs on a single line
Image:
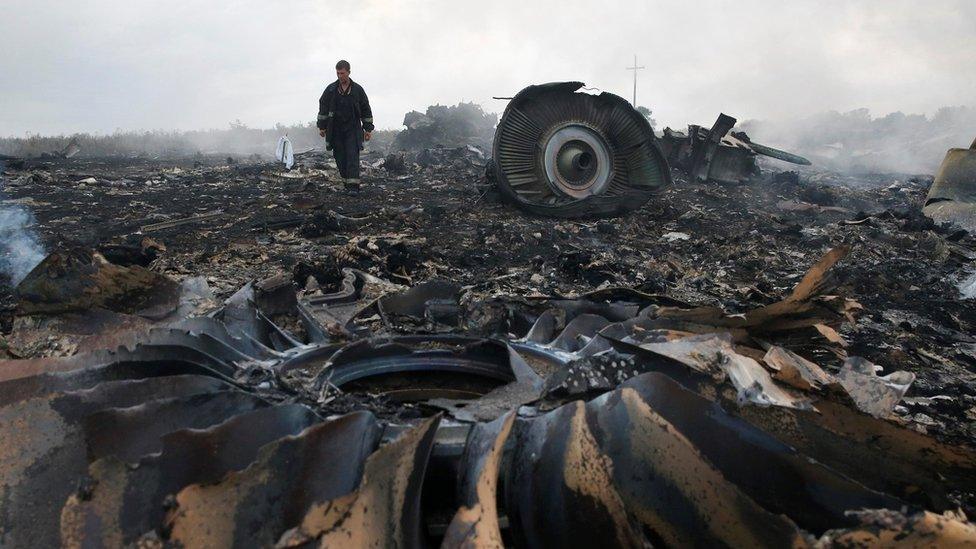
{"points": [[102, 65]]}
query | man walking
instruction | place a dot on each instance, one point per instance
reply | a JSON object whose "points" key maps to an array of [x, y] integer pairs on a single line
{"points": [[345, 121]]}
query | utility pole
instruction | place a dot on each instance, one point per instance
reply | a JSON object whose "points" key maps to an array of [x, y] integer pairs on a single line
{"points": [[635, 68]]}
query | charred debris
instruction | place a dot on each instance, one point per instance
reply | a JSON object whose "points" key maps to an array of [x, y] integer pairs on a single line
{"points": [[234, 354]]}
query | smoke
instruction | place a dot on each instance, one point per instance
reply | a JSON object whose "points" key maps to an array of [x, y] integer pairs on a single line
{"points": [[189, 64], [856, 142], [20, 248], [236, 139]]}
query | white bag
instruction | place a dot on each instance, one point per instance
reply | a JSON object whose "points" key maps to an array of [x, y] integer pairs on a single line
{"points": [[284, 152]]}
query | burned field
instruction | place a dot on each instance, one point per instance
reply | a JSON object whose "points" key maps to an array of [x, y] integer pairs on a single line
{"points": [[736, 247], [229, 353]]}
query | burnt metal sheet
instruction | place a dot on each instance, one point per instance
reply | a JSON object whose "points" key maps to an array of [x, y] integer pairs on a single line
{"points": [[243, 319], [130, 433], [704, 150], [902, 462], [78, 279], [579, 332], [44, 451], [771, 152], [328, 315], [124, 502], [216, 355], [16, 369], [127, 393], [526, 387], [476, 523], [312, 358], [219, 354], [385, 510], [218, 330], [431, 305], [591, 374], [290, 477], [554, 338], [116, 367], [331, 316], [157, 345], [666, 457], [719, 154], [615, 472], [714, 355], [773, 474]]}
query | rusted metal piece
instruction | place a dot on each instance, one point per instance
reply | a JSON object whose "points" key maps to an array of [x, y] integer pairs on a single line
{"points": [[125, 502], [168, 354], [890, 528], [385, 510], [476, 522], [614, 471], [811, 494], [666, 457], [291, 477], [952, 197], [562, 153], [902, 462], [44, 452], [199, 346], [910, 466]]}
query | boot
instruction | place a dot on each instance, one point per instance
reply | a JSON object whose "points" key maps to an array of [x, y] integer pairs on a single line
{"points": [[351, 184]]}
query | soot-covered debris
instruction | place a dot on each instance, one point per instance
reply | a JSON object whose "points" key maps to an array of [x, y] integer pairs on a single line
{"points": [[222, 330], [446, 127]]}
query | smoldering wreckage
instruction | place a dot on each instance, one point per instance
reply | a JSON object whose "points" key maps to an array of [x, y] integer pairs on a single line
{"points": [[243, 355]]}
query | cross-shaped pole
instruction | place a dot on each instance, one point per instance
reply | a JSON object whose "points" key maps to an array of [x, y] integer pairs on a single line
{"points": [[635, 68]]}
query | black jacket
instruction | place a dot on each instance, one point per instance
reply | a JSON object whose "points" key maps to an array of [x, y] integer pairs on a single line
{"points": [[364, 114]]}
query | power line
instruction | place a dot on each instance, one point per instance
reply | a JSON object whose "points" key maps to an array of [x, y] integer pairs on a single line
{"points": [[635, 68]]}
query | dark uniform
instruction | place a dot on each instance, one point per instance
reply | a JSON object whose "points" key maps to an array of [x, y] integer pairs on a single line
{"points": [[344, 117]]}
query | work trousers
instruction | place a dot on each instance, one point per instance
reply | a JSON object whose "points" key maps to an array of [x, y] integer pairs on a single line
{"points": [[345, 147]]}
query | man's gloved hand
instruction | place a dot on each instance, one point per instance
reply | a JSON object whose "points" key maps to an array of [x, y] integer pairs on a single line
{"points": [[368, 136], [322, 133]]}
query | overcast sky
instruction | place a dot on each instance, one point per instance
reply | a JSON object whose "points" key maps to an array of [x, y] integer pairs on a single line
{"points": [[102, 65]]}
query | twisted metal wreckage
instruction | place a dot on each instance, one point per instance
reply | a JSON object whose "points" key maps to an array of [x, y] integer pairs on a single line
{"points": [[561, 153], [613, 417]]}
